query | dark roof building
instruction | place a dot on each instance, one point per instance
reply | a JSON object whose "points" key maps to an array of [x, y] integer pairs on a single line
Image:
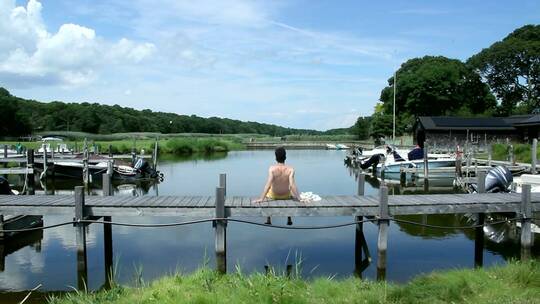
{"points": [[448, 130], [446, 123]]}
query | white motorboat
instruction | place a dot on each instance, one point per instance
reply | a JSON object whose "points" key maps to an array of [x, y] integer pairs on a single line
{"points": [[331, 147], [381, 150]]}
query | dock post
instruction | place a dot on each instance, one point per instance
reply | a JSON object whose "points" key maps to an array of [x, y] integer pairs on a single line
{"points": [[533, 156], [107, 234], [480, 218], [459, 161], [223, 182], [426, 169], [80, 238], [5, 155], [110, 151], [382, 240], [361, 184], [2, 249], [511, 155], [1, 228], [221, 232], [30, 181], [526, 214], [359, 239], [107, 184], [490, 151], [45, 162], [402, 177], [155, 156], [86, 173]]}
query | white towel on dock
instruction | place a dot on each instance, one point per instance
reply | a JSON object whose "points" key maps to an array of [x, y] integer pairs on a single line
{"points": [[309, 197]]}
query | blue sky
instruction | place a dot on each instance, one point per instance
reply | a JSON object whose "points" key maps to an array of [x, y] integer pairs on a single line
{"points": [[297, 63]]}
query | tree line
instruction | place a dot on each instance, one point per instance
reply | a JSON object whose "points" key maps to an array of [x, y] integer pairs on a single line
{"points": [[21, 117], [501, 80]]}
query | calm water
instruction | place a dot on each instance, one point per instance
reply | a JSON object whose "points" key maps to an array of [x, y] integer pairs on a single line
{"points": [[49, 258]]}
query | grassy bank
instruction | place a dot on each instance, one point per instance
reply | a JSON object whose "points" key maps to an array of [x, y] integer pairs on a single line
{"points": [[177, 145], [513, 283], [522, 152]]}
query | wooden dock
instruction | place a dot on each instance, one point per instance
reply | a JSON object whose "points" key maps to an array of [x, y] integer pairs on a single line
{"points": [[220, 208], [243, 206]]}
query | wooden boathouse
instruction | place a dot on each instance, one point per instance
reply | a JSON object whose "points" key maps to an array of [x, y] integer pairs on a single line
{"points": [[450, 131]]}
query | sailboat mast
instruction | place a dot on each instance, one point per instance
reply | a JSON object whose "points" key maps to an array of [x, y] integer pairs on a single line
{"points": [[394, 119]]}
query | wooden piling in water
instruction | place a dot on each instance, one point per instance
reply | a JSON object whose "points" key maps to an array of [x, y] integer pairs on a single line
{"points": [[526, 214], [155, 156], [30, 181], [2, 254], [86, 172], [107, 183], [382, 240], [107, 232], [359, 239], [480, 218], [45, 162], [223, 182], [426, 164], [80, 239], [221, 232]]}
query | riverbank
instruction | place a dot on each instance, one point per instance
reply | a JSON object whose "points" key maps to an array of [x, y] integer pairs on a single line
{"points": [[513, 283], [178, 146], [522, 152]]}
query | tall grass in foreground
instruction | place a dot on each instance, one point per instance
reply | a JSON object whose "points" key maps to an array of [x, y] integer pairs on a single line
{"points": [[512, 283]]}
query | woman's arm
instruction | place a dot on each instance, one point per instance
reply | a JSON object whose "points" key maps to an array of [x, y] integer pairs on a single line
{"points": [[266, 187]]}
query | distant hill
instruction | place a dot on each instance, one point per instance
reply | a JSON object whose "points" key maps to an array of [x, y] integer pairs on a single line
{"points": [[22, 116]]}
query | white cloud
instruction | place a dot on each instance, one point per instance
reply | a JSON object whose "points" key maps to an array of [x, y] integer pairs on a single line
{"points": [[30, 55]]}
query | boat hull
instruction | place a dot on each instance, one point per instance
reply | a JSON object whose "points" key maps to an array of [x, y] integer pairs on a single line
{"points": [[418, 164]]}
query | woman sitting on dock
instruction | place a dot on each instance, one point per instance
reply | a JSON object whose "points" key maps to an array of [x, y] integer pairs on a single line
{"points": [[280, 184]]}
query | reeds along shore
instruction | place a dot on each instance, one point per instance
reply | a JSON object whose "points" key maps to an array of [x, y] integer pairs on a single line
{"points": [[179, 146], [517, 282]]}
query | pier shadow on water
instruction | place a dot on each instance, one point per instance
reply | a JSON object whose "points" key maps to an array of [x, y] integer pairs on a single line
{"points": [[50, 257]]}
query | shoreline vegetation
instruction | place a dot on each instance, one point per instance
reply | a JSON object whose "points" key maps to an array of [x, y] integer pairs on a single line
{"points": [[515, 282], [172, 144]]}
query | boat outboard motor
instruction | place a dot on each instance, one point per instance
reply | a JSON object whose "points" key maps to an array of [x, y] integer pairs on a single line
{"points": [[372, 161], [498, 179], [144, 167], [4, 186]]}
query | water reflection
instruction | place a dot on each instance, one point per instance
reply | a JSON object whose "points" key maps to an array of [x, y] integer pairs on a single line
{"points": [[342, 252]]}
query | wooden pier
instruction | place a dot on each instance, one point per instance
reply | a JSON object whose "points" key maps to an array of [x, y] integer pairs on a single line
{"points": [[222, 207]]}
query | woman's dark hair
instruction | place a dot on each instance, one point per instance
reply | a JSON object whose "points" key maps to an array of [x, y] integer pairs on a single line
{"points": [[281, 154]]}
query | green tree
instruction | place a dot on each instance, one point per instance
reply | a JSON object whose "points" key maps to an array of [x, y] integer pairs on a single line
{"points": [[432, 86], [362, 127], [512, 69]]}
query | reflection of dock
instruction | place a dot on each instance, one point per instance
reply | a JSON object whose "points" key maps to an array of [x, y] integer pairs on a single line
{"points": [[13, 244], [221, 209]]}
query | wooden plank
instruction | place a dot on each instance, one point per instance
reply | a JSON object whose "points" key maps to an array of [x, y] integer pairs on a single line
{"points": [[328, 201], [211, 202], [195, 201], [174, 201], [202, 201]]}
